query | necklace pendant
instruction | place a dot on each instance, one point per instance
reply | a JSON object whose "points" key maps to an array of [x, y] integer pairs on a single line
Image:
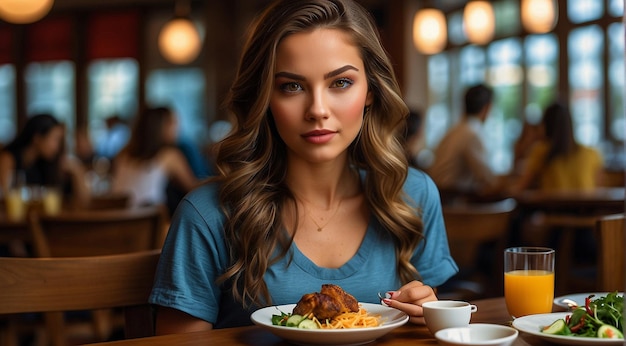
{"points": [[319, 229]]}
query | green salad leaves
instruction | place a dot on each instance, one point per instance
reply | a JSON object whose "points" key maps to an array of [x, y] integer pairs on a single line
{"points": [[599, 318]]}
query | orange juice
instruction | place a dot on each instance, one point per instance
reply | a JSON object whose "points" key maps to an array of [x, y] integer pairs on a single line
{"points": [[528, 292]]}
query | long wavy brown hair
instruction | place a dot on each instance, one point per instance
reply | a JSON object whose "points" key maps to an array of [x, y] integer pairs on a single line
{"points": [[251, 160]]}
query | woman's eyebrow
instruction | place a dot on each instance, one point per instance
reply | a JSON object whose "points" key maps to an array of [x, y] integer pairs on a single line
{"points": [[326, 76], [289, 75], [339, 71]]}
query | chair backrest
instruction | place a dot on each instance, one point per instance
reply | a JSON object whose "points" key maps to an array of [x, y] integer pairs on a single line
{"points": [[98, 232], [611, 234], [469, 225], [109, 201], [81, 283], [477, 232]]}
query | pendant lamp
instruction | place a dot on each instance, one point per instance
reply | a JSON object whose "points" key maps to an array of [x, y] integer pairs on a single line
{"points": [[430, 33], [24, 11], [479, 21], [538, 16], [179, 40]]}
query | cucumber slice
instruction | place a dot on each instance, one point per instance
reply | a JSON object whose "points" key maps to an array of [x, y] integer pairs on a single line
{"points": [[308, 324], [609, 332], [294, 320], [558, 327]]}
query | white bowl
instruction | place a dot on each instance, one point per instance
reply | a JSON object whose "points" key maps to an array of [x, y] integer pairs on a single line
{"points": [[477, 334]]}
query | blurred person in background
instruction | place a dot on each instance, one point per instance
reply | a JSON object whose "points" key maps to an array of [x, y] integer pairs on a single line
{"points": [[115, 138], [151, 160], [413, 139], [557, 161], [461, 162], [36, 157], [199, 165]]}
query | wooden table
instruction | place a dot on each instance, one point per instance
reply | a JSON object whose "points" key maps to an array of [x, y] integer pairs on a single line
{"points": [[489, 311], [599, 201], [569, 211]]}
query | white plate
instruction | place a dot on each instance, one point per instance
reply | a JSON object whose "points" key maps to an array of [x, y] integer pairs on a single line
{"points": [[579, 298], [391, 318], [532, 324]]}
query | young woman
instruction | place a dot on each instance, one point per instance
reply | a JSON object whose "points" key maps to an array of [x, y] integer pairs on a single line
{"points": [[36, 157], [150, 160], [313, 185]]}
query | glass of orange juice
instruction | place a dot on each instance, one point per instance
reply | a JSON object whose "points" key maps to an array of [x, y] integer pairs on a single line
{"points": [[528, 280]]}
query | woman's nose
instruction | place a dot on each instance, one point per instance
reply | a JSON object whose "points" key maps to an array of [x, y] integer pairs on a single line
{"points": [[318, 107]]}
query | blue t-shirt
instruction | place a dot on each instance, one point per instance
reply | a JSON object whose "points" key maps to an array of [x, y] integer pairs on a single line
{"points": [[195, 254]]}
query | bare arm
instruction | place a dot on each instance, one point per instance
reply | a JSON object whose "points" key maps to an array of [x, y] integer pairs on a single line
{"points": [[179, 170], [76, 171], [170, 321], [7, 168]]}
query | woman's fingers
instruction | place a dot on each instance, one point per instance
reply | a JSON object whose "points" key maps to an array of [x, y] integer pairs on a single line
{"points": [[409, 299]]}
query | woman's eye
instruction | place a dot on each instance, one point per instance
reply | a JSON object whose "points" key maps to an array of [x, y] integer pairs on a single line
{"points": [[290, 87], [342, 83]]}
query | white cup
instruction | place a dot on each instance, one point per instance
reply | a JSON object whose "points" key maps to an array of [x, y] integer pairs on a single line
{"points": [[443, 314]]}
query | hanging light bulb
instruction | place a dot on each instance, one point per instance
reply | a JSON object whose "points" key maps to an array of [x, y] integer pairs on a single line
{"points": [[538, 16], [479, 21], [179, 40], [24, 11], [430, 33]]}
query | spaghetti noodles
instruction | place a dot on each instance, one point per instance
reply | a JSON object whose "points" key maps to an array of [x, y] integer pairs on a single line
{"points": [[349, 320]]}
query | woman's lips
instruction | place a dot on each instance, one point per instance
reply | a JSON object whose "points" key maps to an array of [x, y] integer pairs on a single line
{"points": [[319, 136]]}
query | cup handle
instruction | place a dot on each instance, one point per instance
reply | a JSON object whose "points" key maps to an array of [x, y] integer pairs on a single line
{"points": [[473, 308]]}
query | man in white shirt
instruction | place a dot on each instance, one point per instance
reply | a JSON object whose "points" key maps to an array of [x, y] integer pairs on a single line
{"points": [[461, 162]]}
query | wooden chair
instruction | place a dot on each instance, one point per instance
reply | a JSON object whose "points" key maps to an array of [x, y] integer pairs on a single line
{"points": [[98, 232], [79, 283], [109, 201], [611, 234], [472, 228]]}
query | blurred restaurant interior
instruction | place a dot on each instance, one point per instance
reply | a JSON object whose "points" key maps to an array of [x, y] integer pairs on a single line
{"points": [[88, 61]]}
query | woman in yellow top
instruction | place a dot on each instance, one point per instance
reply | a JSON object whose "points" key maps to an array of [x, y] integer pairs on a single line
{"points": [[558, 162]]}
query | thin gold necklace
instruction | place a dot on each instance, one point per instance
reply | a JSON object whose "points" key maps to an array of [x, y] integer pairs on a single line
{"points": [[321, 227]]}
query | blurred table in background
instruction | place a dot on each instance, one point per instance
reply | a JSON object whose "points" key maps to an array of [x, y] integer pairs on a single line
{"points": [[567, 212]]}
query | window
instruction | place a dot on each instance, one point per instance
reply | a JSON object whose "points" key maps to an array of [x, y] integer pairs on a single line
{"points": [[616, 8], [580, 11], [438, 115], [50, 89], [524, 72], [456, 34], [586, 45], [472, 65], [541, 56], [507, 15], [505, 76], [8, 110], [113, 90], [617, 124]]}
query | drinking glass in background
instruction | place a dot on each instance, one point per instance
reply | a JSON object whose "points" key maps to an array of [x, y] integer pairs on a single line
{"points": [[528, 280], [16, 204], [51, 200], [16, 199]]}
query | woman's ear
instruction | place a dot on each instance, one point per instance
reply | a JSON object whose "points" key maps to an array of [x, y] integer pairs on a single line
{"points": [[369, 99]]}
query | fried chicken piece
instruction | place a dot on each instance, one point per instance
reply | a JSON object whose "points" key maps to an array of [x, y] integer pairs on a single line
{"points": [[347, 302], [328, 303]]}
